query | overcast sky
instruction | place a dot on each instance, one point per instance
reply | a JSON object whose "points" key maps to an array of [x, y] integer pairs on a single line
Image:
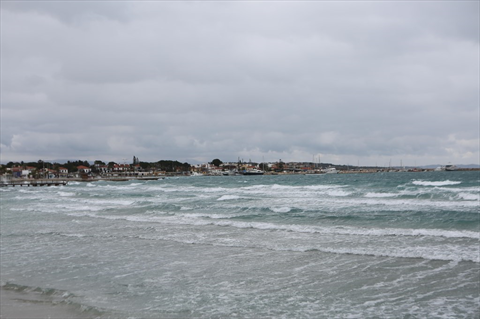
{"points": [[350, 82]]}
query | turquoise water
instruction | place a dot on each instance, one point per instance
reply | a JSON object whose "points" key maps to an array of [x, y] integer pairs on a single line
{"points": [[385, 245]]}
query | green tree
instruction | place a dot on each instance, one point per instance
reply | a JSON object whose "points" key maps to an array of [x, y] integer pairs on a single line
{"points": [[280, 165], [263, 166], [145, 165], [172, 166], [217, 162]]}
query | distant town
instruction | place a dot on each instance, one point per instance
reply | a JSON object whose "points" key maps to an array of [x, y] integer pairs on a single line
{"points": [[98, 170]]}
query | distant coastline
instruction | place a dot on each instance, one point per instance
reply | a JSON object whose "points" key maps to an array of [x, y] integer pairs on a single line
{"points": [[42, 173], [33, 182]]}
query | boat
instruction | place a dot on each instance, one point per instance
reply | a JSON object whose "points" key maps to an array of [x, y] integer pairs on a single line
{"points": [[330, 170], [450, 167], [230, 173], [196, 174], [253, 172]]}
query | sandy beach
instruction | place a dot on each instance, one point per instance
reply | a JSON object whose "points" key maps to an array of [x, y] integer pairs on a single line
{"points": [[30, 305]]}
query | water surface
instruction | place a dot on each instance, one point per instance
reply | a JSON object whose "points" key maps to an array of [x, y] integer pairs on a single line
{"points": [[385, 245]]}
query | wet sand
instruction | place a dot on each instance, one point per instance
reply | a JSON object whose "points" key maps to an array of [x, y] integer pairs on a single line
{"points": [[27, 305]]}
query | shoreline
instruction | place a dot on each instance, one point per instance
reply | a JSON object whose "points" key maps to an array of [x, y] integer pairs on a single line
{"points": [[32, 305], [57, 181], [64, 181]]}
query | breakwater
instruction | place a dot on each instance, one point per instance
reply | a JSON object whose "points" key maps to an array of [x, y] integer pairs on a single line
{"points": [[34, 183]]}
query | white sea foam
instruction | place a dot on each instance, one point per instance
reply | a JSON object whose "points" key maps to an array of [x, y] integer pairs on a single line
{"points": [[280, 209], [397, 204], [196, 219], [469, 196], [120, 187], [338, 193], [277, 186], [341, 246], [353, 230], [212, 190], [435, 183], [414, 252], [380, 195], [65, 194], [228, 197], [302, 188], [114, 202], [259, 187], [295, 192], [321, 187]]}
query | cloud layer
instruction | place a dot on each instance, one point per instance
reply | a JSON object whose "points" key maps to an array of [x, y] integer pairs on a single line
{"points": [[352, 82]]}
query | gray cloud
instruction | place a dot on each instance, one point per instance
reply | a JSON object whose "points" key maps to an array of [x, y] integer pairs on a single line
{"points": [[72, 12], [348, 81]]}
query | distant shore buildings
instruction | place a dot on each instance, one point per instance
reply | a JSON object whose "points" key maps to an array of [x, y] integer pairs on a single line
{"points": [[99, 169]]}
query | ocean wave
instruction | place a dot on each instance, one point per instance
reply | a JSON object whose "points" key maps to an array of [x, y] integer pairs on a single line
{"points": [[228, 197], [198, 220], [352, 230], [436, 183], [391, 250], [44, 291], [283, 209], [424, 253], [54, 297], [338, 193], [469, 196], [278, 187], [65, 194], [380, 195]]}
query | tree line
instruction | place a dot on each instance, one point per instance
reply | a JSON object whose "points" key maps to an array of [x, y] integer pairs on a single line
{"points": [[72, 166]]}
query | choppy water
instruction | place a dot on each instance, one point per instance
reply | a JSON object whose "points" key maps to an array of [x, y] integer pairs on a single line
{"points": [[391, 245]]}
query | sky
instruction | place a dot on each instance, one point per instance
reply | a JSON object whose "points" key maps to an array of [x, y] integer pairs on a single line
{"points": [[346, 82]]}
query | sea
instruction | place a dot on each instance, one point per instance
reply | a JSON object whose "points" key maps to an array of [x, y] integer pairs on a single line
{"points": [[380, 245]]}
